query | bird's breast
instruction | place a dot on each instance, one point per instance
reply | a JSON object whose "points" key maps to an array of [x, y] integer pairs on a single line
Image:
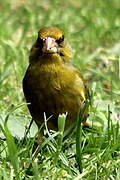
{"points": [[51, 76], [53, 86]]}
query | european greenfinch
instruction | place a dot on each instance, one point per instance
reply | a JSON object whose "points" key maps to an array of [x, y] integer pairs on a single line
{"points": [[52, 84]]}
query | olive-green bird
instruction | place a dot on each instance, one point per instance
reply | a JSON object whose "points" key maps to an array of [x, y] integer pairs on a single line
{"points": [[52, 84]]}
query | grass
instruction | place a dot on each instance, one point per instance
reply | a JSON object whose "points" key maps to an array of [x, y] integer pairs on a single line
{"points": [[93, 30]]}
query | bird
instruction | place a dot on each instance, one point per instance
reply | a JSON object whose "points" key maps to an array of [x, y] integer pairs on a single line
{"points": [[52, 84]]}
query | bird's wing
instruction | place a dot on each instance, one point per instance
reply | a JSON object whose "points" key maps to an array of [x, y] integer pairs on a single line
{"points": [[84, 91]]}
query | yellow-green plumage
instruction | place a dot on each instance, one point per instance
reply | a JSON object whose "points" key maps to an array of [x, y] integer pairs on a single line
{"points": [[52, 84]]}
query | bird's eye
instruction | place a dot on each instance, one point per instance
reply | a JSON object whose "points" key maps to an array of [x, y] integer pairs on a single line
{"points": [[60, 40], [39, 42]]}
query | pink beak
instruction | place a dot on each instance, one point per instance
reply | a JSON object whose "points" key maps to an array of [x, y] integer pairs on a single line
{"points": [[50, 45]]}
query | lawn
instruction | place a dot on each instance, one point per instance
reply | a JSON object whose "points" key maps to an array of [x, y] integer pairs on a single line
{"points": [[93, 31]]}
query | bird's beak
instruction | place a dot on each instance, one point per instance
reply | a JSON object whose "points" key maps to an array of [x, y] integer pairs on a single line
{"points": [[49, 45]]}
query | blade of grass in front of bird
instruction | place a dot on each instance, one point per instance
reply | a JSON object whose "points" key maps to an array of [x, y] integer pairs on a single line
{"points": [[79, 135], [13, 154], [46, 127], [61, 122], [61, 127], [117, 131]]}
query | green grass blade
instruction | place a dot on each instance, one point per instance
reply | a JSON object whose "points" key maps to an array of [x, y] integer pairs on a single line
{"points": [[79, 136], [12, 150]]}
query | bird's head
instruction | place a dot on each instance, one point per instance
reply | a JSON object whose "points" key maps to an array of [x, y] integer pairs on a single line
{"points": [[50, 39], [50, 42]]}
